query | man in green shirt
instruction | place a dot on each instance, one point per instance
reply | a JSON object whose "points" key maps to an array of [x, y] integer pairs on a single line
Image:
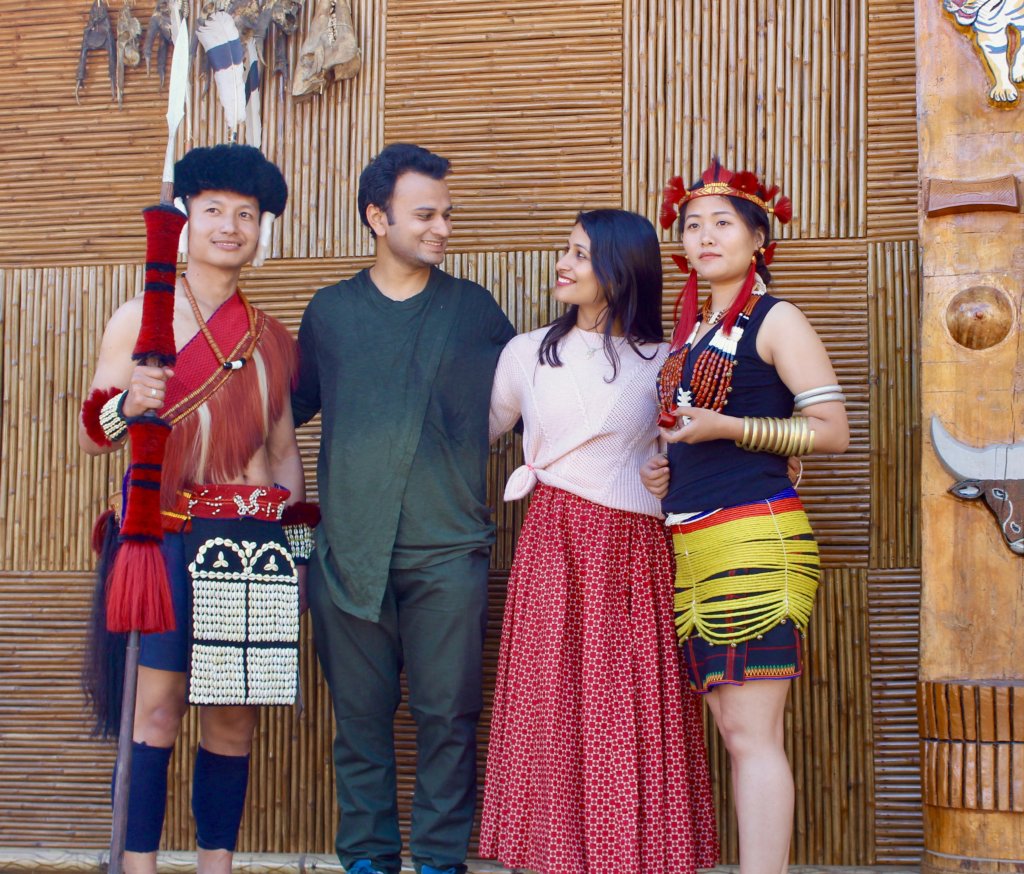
{"points": [[399, 360]]}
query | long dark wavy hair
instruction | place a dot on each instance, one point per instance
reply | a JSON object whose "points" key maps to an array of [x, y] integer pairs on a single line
{"points": [[626, 258]]}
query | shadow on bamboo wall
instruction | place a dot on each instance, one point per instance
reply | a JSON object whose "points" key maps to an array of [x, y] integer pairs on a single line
{"points": [[539, 122]]}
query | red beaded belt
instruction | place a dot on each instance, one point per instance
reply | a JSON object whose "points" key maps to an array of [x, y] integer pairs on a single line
{"points": [[226, 502]]}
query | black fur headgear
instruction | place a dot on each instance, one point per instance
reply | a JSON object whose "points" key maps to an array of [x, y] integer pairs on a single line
{"points": [[241, 169]]}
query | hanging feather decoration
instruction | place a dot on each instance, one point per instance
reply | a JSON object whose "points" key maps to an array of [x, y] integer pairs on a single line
{"points": [[219, 37], [253, 124]]}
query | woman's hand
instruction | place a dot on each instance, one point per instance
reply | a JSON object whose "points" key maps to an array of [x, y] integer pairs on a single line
{"points": [[697, 425], [654, 474], [146, 390]]}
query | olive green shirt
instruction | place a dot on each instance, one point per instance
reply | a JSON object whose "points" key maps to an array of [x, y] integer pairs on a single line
{"points": [[403, 389]]}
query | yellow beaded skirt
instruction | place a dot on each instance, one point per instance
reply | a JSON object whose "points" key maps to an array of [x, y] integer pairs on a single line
{"points": [[741, 571]]}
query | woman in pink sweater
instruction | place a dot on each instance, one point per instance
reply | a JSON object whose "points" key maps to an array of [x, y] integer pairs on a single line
{"points": [[596, 758]]}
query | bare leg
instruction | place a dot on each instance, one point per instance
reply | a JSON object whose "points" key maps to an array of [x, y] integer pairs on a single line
{"points": [[226, 731], [159, 707], [750, 719]]}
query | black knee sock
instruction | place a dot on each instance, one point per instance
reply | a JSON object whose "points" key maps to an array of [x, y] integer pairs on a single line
{"points": [[147, 798], [218, 798]]}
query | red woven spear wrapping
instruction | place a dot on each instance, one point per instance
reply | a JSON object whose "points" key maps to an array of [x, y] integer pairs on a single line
{"points": [[138, 594]]}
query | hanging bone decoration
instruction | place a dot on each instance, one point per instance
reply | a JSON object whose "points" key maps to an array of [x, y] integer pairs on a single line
{"points": [[159, 34], [98, 36], [128, 32], [329, 52], [255, 20], [284, 22]]}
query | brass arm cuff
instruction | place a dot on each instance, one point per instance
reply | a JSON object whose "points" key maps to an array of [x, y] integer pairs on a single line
{"points": [[779, 436]]}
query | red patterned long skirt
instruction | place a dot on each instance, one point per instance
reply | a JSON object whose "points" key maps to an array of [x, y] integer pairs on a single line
{"points": [[596, 758]]}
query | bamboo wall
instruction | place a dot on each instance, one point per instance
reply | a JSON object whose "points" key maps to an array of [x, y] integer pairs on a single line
{"points": [[543, 108]]}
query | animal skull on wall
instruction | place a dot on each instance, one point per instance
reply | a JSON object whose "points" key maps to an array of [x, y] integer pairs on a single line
{"points": [[330, 51]]}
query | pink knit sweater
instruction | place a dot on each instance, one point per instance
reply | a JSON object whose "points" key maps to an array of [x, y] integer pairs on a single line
{"points": [[581, 434]]}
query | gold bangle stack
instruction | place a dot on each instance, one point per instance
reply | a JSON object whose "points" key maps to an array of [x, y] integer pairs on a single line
{"points": [[778, 436]]}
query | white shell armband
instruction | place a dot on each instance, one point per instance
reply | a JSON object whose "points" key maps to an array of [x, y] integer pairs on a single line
{"points": [[300, 541], [112, 419]]}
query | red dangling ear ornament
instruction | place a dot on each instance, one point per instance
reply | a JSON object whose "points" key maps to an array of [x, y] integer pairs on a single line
{"points": [[741, 299], [769, 254], [685, 311]]}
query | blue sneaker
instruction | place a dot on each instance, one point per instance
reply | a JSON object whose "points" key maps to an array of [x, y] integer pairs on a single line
{"points": [[364, 866], [430, 869]]}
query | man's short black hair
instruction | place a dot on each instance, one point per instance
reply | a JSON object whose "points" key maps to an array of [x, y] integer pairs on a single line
{"points": [[377, 181], [241, 169]]}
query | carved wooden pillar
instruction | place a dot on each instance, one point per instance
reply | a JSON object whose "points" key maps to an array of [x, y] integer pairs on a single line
{"points": [[971, 128]]}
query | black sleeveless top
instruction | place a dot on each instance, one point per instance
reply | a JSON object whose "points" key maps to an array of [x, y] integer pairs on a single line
{"points": [[717, 473]]}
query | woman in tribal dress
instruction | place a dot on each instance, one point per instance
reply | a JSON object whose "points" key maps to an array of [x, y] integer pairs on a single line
{"points": [[746, 561]]}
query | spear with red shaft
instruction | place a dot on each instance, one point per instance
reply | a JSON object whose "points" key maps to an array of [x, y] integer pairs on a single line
{"points": [[138, 592]]}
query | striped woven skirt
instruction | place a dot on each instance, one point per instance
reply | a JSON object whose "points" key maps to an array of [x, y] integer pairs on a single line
{"points": [[596, 758], [746, 577]]}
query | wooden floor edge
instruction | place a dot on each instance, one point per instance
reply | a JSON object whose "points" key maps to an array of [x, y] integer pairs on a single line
{"points": [[29, 860]]}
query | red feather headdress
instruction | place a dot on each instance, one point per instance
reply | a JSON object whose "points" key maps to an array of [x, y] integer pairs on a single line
{"points": [[719, 182]]}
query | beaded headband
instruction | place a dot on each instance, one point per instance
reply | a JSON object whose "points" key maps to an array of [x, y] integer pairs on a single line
{"points": [[719, 182]]}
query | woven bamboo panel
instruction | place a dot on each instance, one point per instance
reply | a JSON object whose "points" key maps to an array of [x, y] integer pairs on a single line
{"points": [[894, 307], [891, 147], [773, 87], [525, 98], [894, 599], [76, 176], [52, 321], [54, 781], [828, 736]]}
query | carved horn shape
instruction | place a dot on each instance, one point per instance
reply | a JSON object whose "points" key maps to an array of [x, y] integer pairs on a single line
{"points": [[997, 461]]}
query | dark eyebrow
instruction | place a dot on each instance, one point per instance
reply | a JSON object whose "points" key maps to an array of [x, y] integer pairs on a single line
{"points": [[698, 214]]}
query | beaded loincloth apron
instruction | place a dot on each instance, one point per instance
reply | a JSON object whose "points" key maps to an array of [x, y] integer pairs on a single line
{"points": [[245, 603]]}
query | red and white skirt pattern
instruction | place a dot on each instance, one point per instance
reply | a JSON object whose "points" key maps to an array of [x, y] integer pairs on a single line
{"points": [[596, 758]]}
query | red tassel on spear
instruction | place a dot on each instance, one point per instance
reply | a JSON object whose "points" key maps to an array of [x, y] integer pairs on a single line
{"points": [[138, 594]]}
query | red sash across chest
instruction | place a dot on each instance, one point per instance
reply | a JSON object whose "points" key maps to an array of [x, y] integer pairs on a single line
{"points": [[197, 372]]}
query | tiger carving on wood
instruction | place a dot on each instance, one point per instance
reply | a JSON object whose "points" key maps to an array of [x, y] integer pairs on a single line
{"points": [[992, 21]]}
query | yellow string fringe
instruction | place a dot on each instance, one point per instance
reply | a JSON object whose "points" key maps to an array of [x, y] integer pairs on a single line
{"points": [[782, 587]]}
